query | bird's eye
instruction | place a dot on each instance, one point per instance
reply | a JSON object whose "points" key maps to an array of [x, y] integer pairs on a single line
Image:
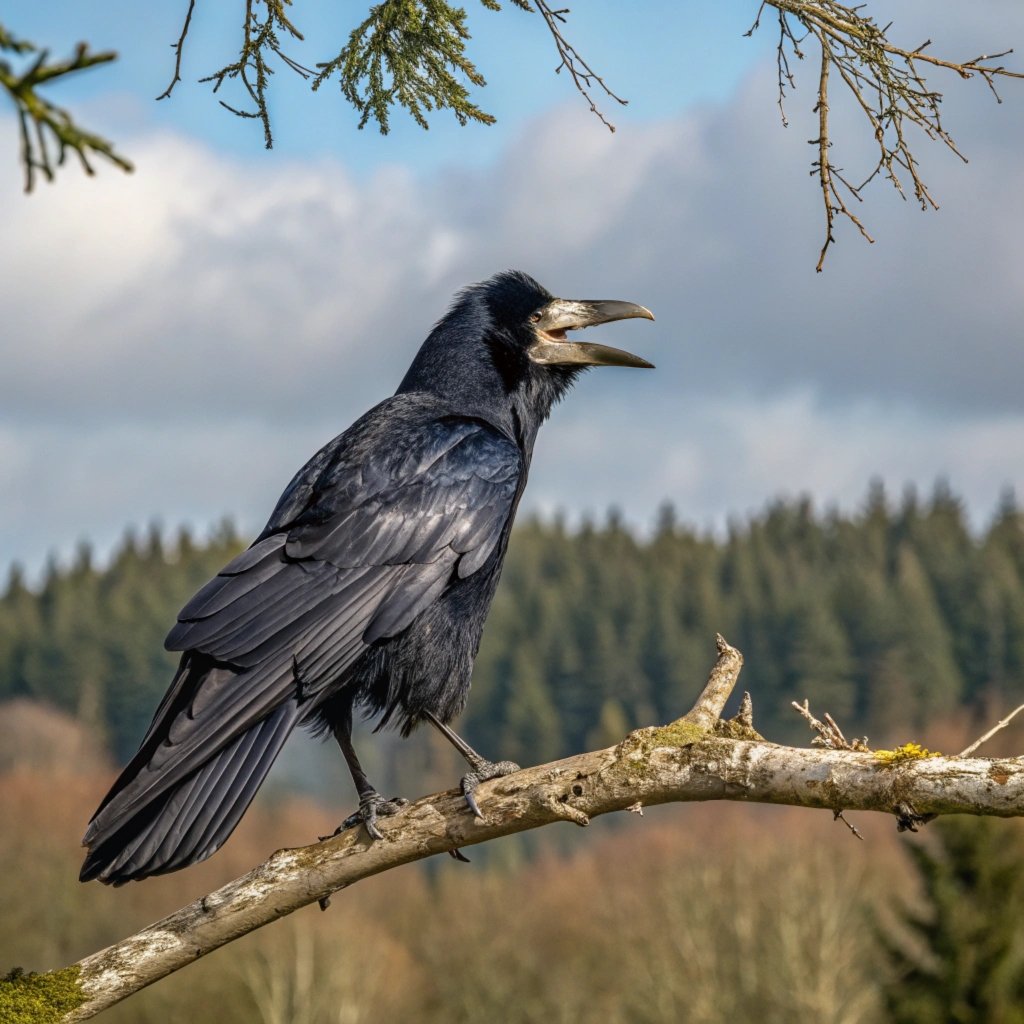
{"points": [[535, 318]]}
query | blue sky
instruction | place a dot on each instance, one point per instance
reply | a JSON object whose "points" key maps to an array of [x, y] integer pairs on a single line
{"points": [[661, 56], [177, 342]]}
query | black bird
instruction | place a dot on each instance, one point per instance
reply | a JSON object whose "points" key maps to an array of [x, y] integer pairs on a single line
{"points": [[368, 588]]}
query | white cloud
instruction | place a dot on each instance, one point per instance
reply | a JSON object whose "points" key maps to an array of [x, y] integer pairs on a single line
{"points": [[176, 343]]}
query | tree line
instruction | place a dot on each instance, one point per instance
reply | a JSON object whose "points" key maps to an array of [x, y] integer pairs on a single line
{"points": [[889, 617]]}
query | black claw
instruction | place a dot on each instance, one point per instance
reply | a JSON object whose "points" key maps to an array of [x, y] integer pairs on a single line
{"points": [[473, 805], [482, 772], [458, 855], [371, 808]]}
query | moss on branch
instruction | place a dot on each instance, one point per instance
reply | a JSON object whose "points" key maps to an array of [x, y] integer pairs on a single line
{"points": [[30, 998]]}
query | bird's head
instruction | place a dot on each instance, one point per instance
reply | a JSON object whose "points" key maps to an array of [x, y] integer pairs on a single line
{"points": [[507, 340], [537, 324]]}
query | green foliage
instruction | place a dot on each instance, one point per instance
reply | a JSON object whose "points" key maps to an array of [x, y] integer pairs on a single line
{"points": [[594, 632], [413, 53], [961, 957], [406, 52], [44, 125]]}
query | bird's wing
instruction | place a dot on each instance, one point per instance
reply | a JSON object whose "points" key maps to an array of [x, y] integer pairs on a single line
{"points": [[363, 540]]}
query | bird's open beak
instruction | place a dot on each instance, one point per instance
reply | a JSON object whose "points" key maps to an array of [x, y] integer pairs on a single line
{"points": [[552, 348]]}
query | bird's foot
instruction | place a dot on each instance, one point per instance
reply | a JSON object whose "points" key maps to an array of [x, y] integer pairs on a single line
{"points": [[371, 808], [482, 771]]}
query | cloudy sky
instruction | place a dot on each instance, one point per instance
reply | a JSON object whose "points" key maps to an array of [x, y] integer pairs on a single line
{"points": [[177, 342]]}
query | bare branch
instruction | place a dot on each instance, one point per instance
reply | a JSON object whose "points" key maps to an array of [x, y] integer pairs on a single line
{"points": [[888, 87], [1001, 724], [178, 48], [652, 766], [721, 682], [583, 75]]}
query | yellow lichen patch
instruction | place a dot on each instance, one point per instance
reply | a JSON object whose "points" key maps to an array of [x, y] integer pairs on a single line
{"points": [[39, 998], [908, 752]]}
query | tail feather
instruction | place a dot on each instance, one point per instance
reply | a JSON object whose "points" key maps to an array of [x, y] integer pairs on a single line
{"points": [[191, 820]]}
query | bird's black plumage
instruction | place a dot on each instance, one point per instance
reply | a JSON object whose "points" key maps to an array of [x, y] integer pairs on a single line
{"points": [[368, 587]]}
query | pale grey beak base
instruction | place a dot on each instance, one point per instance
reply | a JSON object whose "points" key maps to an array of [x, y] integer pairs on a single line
{"points": [[560, 315], [575, 314]]}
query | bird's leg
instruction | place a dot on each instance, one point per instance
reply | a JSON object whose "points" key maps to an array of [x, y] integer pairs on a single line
{"points": [[371, 804], [482, 769]]}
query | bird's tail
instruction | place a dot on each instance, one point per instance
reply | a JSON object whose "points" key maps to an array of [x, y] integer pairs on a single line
{"points": [[145, 828]]}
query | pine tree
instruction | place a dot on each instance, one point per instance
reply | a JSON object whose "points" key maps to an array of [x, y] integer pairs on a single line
{"points": [[961, 957]]}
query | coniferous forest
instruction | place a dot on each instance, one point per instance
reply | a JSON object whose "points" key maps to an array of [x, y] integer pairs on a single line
{"points": [[890, 617], [898, 618]]}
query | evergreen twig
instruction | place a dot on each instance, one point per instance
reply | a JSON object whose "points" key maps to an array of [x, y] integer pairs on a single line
{"points": [[43, 124], [409, 52]]}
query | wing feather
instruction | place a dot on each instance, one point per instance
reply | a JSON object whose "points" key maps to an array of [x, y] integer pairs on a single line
{"points": [[384, 530]]}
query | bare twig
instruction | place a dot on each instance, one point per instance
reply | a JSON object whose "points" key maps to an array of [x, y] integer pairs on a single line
{"points": [[838, 816], [829, 734], [888, 87], [178, 47], [827, 174], [1001, 724], [583, 75]]}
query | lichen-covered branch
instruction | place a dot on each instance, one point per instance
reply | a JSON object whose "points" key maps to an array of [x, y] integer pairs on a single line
{"points": [[887, 85], [698, 757], [48, 132]]}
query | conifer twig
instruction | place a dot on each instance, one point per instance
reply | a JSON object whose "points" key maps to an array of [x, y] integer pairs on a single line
{"points": [[44, 125]]}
